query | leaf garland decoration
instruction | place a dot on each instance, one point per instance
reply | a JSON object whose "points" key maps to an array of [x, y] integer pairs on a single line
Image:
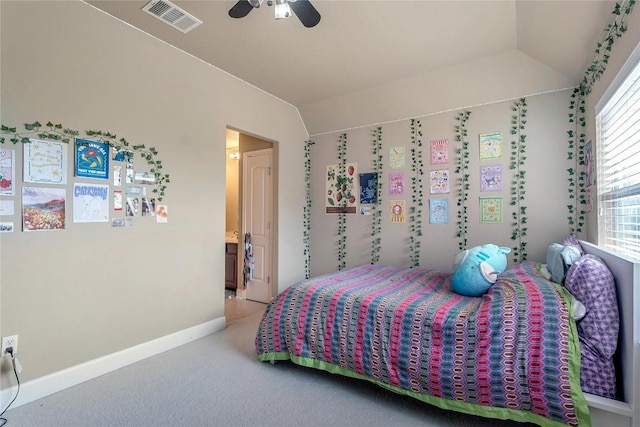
{"points": [[415, 211], [462, 182], [56, 132], [376, 216], [342, 216], [306, 212], [518, 157], [576, 135]]}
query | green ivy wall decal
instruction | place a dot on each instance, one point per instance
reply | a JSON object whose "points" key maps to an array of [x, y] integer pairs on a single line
{"points": [[376, 214], [307, 208], [415, 211], [342, 216], [462, 183], [518, 157], [576, 136], [56, 132]]}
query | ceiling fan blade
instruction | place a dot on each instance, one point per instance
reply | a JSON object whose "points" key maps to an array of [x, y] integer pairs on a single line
{"points": [[305, 11], [240, 9]]}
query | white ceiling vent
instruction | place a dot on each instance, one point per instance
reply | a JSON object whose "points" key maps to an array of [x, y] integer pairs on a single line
{"points": [[172, 15]]}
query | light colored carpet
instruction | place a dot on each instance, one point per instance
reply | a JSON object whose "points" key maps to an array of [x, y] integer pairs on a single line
{"points": [[217, 381]]}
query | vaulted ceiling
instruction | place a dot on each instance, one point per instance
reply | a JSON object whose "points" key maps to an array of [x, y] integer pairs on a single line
{"points": [[363, 44]]}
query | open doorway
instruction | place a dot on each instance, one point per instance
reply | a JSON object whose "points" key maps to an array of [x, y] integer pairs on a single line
{"points": [[242, 149]]}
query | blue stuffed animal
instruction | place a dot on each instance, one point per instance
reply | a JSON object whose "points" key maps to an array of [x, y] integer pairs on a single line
{"points": [[476, 269]]}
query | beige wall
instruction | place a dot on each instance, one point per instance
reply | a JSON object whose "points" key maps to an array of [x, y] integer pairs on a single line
{"points": [[106, 289], [545, 185], [233, 185]]}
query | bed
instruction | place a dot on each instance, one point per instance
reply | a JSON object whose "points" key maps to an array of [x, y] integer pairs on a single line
{"points": [[513, 353]]}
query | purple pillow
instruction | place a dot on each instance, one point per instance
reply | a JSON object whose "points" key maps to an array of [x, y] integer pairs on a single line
{"points": [[572, 240], [591, 282]]}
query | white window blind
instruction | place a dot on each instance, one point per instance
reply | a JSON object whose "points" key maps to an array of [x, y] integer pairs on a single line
{"points": [[618, 163]]}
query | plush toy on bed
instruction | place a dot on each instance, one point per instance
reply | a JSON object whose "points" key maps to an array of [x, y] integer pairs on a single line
{"points": [[476, 269]]}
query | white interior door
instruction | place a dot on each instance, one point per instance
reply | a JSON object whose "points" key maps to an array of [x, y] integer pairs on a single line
{"points": [[257, 194]]}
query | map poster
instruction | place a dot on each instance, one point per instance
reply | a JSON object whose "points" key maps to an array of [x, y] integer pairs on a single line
{"points": [[440, 152], [45, 162], [43, 209], [92, 159], [439, 211], [90, 203], [491, 210], [490, 146], [7, 172]]}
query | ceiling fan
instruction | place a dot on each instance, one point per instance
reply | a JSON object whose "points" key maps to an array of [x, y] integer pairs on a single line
{"points": [[303, 9]]}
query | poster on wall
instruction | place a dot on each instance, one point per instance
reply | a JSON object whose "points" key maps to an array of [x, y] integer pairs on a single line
{"points": [[368, 188], [439, 181], [439, 211], [397, 210], [490, 146], [133, 206], [92, 159], [162, 213], [117, 200], [439, 152], [6, 227], [341, 190], [396, 157], [491, 178], [45, 162], [43, 209], [396, 183], [90, 203], [144, 177], [122, 155], [148, 206], [491, 210], [7, 172]]}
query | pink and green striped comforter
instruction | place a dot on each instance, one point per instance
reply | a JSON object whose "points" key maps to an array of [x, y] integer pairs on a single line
{"points": [[511, 354]]}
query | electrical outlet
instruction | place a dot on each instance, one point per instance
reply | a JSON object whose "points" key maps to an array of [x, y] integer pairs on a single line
{"points": [[11, 341]]}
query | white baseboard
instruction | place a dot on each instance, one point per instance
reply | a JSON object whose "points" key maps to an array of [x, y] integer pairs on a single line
{"points": [[57, 381]]}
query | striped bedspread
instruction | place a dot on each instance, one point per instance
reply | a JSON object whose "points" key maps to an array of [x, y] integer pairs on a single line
{"points": [[512, 353]]}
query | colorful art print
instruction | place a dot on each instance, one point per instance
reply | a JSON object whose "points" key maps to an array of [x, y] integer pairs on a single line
{"points": [[45, 162], [148, 206], [43, 209], [129, 174], [440, 152], [6, 207], [92, 159], [7, 172], [491, 210], [122, 155], [490, 146], [491, 178], [117, 200], [341, 189], [439, 211], [396, 183], [396, 157], [6, 227], [122, 222], [162, 213], [139, 191], [369, 188], [117, 176], [590, 176], [397, 211], [133, 206], [439, 181], [90, 203], [144, 178]]}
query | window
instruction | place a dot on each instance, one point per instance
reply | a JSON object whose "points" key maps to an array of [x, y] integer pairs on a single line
{"points": [[618, 162]]}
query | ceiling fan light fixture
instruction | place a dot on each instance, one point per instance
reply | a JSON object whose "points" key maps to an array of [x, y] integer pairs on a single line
{"points": [[282, 9]]}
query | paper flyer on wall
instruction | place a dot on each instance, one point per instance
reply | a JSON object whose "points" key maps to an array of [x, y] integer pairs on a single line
{"points": [[133, 206], [162, 213], [148, 206], [397, 210], [117, 200], [90, 203], [491, 209], [45, 162], [7, 172], [439, 181], [491, 178], [43, 209], [439, 152], [439, 211], [396, 183], [490, 146], [6, 227], [92, 159], [396, 157]]}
